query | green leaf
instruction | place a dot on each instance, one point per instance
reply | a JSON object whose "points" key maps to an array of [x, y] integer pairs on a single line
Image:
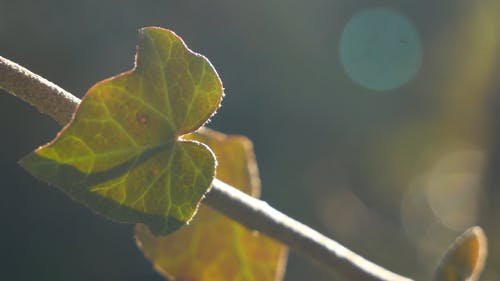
{"points": [[465, 258], [213, 247], [123, 154]]}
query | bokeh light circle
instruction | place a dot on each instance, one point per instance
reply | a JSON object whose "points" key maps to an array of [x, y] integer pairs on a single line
{"points": [[380, 49]]}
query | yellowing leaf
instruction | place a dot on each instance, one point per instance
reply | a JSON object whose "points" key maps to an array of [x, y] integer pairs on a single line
{"points": [[212, 247], [123, 154], [465, 258]]}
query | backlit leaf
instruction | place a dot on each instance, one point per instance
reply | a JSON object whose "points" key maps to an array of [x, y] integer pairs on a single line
{"points": [[212, 247], [465, 258], [123, 154]]}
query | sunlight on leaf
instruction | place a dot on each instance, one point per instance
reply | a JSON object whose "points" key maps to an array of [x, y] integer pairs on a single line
{"points": [[123, 154], [465, 258], [212, 247]]}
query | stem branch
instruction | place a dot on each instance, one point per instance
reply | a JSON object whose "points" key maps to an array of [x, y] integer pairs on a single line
{"points": [[253, 213]]}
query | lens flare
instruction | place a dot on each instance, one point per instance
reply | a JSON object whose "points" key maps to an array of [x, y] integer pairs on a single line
{"points": [[380, 49]]}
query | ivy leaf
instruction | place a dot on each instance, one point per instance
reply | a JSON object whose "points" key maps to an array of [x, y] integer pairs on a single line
{"points": [[123, 154], [465, 258], [213, 247]]}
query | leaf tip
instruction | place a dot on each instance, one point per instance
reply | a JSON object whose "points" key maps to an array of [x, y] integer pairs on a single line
{"points": [[28, 162], [465, 258]]}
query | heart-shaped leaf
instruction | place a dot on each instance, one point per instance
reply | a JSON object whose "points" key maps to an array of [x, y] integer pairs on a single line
{"points": [[464, 260], [213, 247], [123, 154]]}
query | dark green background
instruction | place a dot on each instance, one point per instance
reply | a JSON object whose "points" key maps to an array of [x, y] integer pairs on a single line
{"points": [[314, 130]]}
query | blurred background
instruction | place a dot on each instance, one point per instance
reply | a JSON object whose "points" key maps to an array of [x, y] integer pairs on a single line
{"points": [[375, 122]]}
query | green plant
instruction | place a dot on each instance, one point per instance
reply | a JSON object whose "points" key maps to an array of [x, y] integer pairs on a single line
{"points": [[131, 153]]}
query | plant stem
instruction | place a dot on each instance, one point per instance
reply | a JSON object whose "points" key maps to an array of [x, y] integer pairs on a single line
{"points": [[46, 96], [253, 213], [257, 214]]}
